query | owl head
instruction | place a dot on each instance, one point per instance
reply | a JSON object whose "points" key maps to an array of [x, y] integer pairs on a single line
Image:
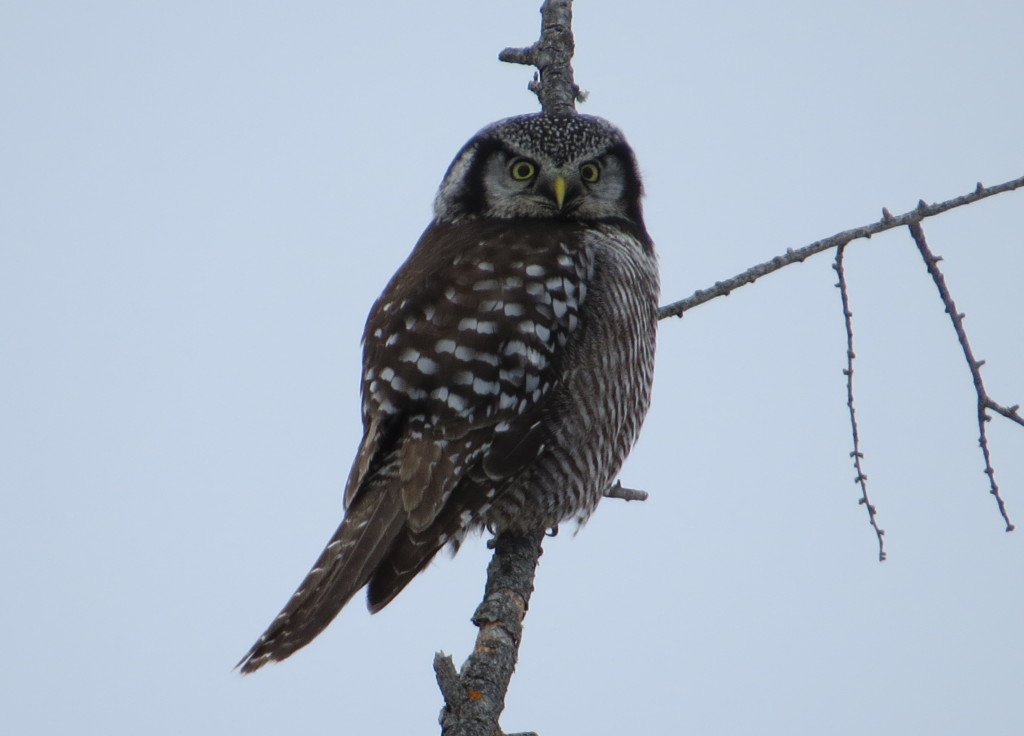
{"points": [[575, 167]]}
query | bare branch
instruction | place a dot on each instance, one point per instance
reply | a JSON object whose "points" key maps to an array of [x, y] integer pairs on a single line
{"points": [[911, 219], [552, 55], [861, 479], [888, 222], [475, 698], [985, 402]]}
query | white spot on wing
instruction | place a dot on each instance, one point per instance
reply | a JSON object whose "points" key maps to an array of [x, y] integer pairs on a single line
{"points": [[537, 289], [464, 353], [485, 388], [427, 366], [399, 384], [458, 403]]}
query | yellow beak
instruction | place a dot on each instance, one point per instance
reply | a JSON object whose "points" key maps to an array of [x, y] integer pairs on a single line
{"points": [[559, 186]]}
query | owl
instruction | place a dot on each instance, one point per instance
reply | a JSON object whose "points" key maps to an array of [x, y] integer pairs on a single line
{"points": [[507, 365]]}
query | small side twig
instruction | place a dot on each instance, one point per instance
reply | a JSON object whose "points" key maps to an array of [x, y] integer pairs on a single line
{"points": [[861, 479], [475, 697], [985, 402], [626, 494], [553, 83]]}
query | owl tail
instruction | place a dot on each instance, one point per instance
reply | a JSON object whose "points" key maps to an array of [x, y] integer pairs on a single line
{"points": [[347, 563], [413, 550], [410, 554]]}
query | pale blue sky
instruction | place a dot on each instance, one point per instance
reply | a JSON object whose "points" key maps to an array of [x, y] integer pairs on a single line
{"points": [[199, 202]]}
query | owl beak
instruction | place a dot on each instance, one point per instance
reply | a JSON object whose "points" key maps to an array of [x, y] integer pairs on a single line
{"points": [[560, 191], [558, 185]]}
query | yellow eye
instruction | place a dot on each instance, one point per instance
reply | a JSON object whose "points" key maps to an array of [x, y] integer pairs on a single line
{"points": [[590, 172], [522, 170]]}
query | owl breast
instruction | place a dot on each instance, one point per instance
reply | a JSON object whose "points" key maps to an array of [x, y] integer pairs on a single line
{"points": [[603, 392]]}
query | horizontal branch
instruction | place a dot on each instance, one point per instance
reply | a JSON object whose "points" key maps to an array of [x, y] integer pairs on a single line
{"points": [[888, 222]]}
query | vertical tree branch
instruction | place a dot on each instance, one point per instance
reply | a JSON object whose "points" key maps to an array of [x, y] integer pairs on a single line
{"points": [[861, 479], [475, 698], [552, 55], [985, 402]]}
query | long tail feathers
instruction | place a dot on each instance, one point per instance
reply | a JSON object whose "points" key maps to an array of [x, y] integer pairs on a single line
{"points": [[363, 539]]}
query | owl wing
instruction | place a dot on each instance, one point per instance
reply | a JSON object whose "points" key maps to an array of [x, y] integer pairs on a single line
{"points": [[461, 351], [461, 354]]}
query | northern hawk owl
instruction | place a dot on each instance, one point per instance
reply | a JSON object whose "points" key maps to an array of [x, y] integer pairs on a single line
{"points": [[507, 366]]}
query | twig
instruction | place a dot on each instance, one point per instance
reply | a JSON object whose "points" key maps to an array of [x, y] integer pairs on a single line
{"points": [[985, 402], [861, 479], [888, 222], [475, 698], [552, 55], [448, 680], [626, 494]]}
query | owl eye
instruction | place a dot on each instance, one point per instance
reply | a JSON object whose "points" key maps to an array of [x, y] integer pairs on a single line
{"points": [[522, 170], [590, 172]]}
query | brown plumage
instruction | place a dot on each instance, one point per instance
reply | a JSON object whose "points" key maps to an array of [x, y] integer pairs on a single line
{"points": [[507, 365]]}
